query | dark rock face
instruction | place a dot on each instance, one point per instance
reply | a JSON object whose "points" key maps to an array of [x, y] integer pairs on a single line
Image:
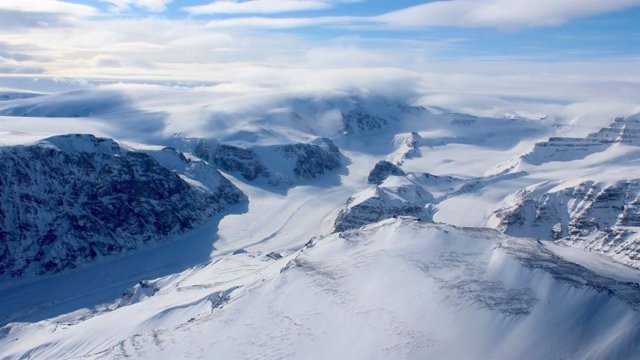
{"points": [[395, 197], [308, 160], [359, 120], [371, 212], [602, 218], [72, 199], [313, 160], [236, 159], [382, 171]]}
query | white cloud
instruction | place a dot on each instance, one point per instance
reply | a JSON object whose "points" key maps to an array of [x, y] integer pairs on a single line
{"points": [[29, 14], [279, 22], [46, 6], [500, 13], [261, 6], [149, 5], [230, 53]]}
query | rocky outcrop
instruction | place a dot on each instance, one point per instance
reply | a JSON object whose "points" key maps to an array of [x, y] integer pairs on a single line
{"points": [[228, 158], [396, 196], [74, 199], [241, 160], [313, 160], [407, 147], [599, 217], [359, 120], [278, 164], [622, 131], [382, 171]]}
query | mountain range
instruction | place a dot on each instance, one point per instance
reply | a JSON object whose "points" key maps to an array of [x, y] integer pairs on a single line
{"points": [[341, 225]]}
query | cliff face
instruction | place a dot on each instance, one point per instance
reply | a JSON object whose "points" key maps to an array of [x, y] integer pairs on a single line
{"points": [[622, 130], [278, 164], [358, 120], [599, 217], [73, 199], [395, 196], [382, 171]]}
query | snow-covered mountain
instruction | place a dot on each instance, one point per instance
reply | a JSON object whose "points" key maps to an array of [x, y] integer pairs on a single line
{"points": [[594, 215], [621, 131], [278, 164], [591, 203], [396, 289], [332, 225], [74, 199], [395, 196]]}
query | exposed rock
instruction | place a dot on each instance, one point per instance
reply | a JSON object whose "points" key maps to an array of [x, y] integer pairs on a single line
{"points": [[622, 130], [279, 164], [382, 171], [313, 160], [73, 199], [359, 120], [407, 147], [595, 216], [236, 159], [396, 196]]}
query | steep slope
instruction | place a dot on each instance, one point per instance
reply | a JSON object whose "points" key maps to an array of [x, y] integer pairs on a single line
{"points": [[74, 199], [594, 215], [621, 131], [382, 171], [393, 197], [278, 164], [397, 289]]}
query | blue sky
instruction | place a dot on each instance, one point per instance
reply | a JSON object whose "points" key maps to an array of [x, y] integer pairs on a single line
{"points": [[477, 50], [603, 34]]}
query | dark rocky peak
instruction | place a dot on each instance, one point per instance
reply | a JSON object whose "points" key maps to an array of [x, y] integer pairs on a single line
{"points": [[382, 171], [360, 120]]}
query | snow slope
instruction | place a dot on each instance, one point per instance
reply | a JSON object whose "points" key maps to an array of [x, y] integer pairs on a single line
{"points": [[419, 290]]}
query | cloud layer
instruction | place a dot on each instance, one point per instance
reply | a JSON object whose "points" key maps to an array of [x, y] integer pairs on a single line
{"points": [[54, 44], [259, 6], [500, 13], [149, 5]]}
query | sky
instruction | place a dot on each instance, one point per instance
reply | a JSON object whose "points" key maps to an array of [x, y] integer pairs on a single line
{"points": [[457, 53]]}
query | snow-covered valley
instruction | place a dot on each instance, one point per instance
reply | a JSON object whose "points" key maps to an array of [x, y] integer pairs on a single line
{"points": [[320, 226]]}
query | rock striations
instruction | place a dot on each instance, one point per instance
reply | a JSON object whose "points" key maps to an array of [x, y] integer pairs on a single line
{"points": [[395, 196], [621, 131], [277, 164], [72, 199], [599, 217]]}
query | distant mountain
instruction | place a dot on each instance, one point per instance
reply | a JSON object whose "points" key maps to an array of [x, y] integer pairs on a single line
{"points": [[596, 216], [277, 164], [621, 131], [366, 227]]}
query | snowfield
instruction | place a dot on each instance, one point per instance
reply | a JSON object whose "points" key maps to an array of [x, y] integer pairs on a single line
{"points": [[396, 289], [352, 226]]}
